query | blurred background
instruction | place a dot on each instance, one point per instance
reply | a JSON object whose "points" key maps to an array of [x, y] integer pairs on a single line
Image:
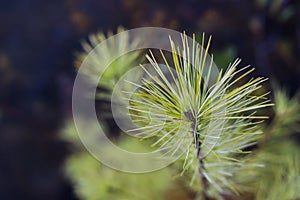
{"points": [[38, 41]]}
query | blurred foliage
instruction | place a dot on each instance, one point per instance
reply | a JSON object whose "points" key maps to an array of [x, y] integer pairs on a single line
{"points": [[100, 182], [287, 115], [108, 54], [278, 154], [278, 178], [94, 181]]}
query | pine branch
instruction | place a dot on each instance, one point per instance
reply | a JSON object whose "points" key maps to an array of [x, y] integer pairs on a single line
{"points": [[192, 108]]}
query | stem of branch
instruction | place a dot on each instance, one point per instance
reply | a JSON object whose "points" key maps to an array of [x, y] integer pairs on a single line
{"points": [[197, 143]]}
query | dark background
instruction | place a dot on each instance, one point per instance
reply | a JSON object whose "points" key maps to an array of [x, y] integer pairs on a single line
{"points": [[37, 44]]}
